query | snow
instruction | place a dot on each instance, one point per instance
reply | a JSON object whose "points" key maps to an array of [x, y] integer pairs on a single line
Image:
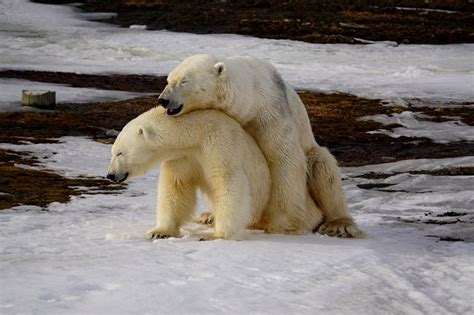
{"points": [[46, 37], [90, 256], [11, 94], [426, 10], [417, 125]]}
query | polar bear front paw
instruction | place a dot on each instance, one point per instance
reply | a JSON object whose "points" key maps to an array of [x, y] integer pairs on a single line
{"points": [[159, 233]]}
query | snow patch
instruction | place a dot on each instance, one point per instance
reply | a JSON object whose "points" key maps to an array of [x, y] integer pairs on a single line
{"points": [[417, 125], [90, 255]]}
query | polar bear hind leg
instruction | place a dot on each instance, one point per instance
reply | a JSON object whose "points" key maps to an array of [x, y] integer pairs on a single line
{"points": [[286, 209], [325, 187]]}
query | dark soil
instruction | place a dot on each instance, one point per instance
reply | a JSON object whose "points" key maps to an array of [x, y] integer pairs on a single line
{"points": [[447, 238], [335, 123], [450, 239], [26, 186], [457, 171], [334, 119], [93, 120], [374, 185], [321, 21], [451, 214], [128, 83], [430, 221]]}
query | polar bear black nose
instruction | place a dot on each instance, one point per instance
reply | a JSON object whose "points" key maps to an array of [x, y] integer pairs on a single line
{"points": [[163, 101], [111, 177]]}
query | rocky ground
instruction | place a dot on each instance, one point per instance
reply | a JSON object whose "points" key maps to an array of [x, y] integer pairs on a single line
{"points": [[334, 119]]}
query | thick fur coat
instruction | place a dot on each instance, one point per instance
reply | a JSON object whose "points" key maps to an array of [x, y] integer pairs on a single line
{"points": [[253, 92], [205, 150]]}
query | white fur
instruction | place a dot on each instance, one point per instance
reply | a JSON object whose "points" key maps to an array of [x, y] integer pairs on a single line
{"points": [[252, 92], [204, 150]]}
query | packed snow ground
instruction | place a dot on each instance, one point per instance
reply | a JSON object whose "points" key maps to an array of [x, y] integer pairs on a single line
{"points": [[90, 255]]}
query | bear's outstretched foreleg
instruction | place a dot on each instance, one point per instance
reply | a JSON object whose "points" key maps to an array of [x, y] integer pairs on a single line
{"points": [[325, 187], [176, 200]]}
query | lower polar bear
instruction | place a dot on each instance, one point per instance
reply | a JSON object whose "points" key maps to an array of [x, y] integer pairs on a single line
{"points": [[253, 93], [204, 150]]}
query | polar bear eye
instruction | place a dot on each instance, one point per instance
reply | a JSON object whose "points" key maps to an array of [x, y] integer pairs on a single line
{"points": [[119, 154], [184, 82]]}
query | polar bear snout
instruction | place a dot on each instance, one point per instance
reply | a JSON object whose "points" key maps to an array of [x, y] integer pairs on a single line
{"points": [[172, 108], [163, 102], [118, 178]]}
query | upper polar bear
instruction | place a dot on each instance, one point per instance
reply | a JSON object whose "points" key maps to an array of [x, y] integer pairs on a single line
{"points": [[206, 150], [253, 92]]}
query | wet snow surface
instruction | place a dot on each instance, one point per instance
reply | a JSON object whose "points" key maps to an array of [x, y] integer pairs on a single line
{"points": [[90, 255]]}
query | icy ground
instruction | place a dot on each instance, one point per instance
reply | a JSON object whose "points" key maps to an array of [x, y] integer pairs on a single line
{"points": [[46, 37], [90, 255]]}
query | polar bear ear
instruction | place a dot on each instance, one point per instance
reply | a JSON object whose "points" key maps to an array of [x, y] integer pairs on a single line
{"points": [[146, 133], [220, 68]]}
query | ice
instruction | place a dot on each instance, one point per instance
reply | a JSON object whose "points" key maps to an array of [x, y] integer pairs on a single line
{"points": [[90, 255], [45, 37], [11, 89], [418, 125]]}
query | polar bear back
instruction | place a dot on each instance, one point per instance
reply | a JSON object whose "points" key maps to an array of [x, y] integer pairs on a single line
{"points": [[207, 135]]}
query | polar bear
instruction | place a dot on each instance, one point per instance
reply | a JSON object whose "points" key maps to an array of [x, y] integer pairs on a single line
{"points": [[253, 92], [204, 150]]}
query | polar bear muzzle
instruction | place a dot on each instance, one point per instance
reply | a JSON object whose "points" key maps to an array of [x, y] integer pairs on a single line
{"points": [[174, 111], [171, 107], [118, 178]]}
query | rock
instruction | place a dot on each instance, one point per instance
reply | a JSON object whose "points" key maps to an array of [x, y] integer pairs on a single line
{"points": [[111, 133]]}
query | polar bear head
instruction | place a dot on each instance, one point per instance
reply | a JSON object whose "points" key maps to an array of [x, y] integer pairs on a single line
{"points": [[197, 83], [141, 145]]}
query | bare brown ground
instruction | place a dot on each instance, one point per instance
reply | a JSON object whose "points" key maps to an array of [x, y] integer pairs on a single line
{"points": [[334, 120], [27, 186], [337, 21]]}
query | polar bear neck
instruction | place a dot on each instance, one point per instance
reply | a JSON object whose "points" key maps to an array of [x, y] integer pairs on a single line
{"points": [[236, 96]]}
